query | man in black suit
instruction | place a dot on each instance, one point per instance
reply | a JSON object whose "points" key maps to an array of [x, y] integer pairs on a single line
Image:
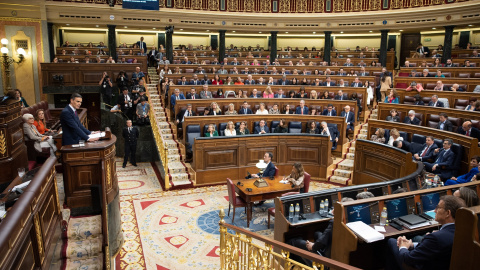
{"points": [[73, 130], [411, 119], [184, 113], [428, 150], [142, 45], [270, 169], [443, 164], [449, 63], [245, 109], [404, 145], [328, 82], [262, 128], [183, 81], [255, 94], [435, 102], [329, 111], [468, 130], [423, 51], [444, 123], [154, 56], [357, 83], [283, 80], [130, 134], [349, 117], [330, 131], [435, 250], [193, 94], [126, 99], [340, 96]]}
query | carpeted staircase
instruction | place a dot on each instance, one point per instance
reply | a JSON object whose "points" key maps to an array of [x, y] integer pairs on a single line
{"points": [[342, 171], [178, 172]]}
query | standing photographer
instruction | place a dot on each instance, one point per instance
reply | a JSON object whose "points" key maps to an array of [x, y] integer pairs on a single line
{"points": [[106, 88]]}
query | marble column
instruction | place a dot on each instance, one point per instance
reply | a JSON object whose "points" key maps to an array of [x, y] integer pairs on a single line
{"points": [[328, 46], [161, 40], [383, 47], [112, 41], [273, 46], [447, 43], [169, 46], [221, 46], [51, 45]]}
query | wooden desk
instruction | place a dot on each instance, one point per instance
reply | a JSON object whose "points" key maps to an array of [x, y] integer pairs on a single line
{"points": [[273, 190]]}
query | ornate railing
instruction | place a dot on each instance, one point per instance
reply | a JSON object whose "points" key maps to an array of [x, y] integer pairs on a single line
{"points": [[241, 250], [286, 6]]}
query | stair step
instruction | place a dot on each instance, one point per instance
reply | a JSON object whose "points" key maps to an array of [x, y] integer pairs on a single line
{"points": [[83, 249], [362, 136], [350, 156], [339, 180], [342, 173], [179, 179], [94, 263], [347, 164], [84, 228]]}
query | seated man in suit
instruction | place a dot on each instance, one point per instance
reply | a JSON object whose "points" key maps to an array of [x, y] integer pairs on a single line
{"points": [[328, 82], [195, 80], [449, 63], [329, 111], [193, 94], [255, 94], [279, 94], [435, 102], [407, 64], [249, 80], [468, 130], [283, 80], [444, 123], [425, 73], [205, 93], [357, 83], [348, 63], [302, 109], [443, 164], [262, 128], [186, 61], [413, 73], [341, 72], [176, 96], [340, 96], [184, 113], [466, 63], [411, 119], [363, 72], [435, 250], [245, 109], [423, 51], [349, 117], [332, 132], [427, 151], [456, 88], [404, 145], [183, 81], [474, 163]]}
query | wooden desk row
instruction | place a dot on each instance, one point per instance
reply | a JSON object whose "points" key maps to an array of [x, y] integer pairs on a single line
{"points": [[455, 52], [251, 119], [360, 91], [69, 50], [454, 71], [283, 61], [460, 61], [470, 145], [453, 97], [215, 159], [404, 82]]}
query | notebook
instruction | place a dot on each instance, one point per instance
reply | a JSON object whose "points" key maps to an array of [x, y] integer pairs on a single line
{"points": [[412, 219], [365, 232]]}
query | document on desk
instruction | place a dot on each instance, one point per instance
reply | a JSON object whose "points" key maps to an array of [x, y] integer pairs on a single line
{"points": [[96, 135], [365, 232]]}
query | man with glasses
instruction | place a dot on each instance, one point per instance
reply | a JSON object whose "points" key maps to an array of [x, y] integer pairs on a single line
{"points": [[443, 164]]}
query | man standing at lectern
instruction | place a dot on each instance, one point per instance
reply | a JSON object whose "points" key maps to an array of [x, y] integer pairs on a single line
{"points": [[72, 128], [130, 134]]}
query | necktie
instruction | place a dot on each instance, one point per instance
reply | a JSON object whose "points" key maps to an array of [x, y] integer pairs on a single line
{"points": [[193, 96], [129, 129], [77, 114], [425, 151], [302, 110], [467, 133]]}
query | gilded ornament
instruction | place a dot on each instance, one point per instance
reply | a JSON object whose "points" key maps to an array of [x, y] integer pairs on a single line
{"points": [[416, 3], [249, 5], [266, 6], [356, 5], [3, 144], [374, 4], [396, 4], [179, 3], [338, 5], [213, 4], [196, 4], [232, 5], [318, 6], [284, 6], [301, 5], [38, 232]]}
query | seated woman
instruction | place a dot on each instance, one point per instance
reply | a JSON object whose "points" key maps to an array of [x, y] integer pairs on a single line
{"points": [[230, 129], [296, 176], [281, 128], [415, 86], [239, 81], [288, 110], [312, 128], [468, 195], [394, 136], [325, 95], [474, 162], [392, 97], [302, 93], [418, 100], [268, 93], [313, 94], [242, 129], [393, 117], [220, 93], [40, 122], [262, 109], [32, 134], [292, 94], [211, 132], [215, 109], [274, 110], [379, 135], [206, 111], [18, 96], [231, 110]]}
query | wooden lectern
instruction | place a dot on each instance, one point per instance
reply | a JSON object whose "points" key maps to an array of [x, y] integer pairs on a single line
{"points": [[94, 164]]}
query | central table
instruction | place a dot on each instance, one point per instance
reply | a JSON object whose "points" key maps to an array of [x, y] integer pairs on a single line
{"points": [[273, 190]]}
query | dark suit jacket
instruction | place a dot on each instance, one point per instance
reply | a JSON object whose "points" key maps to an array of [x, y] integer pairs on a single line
{"points": [[73, 130], [331, 84], [420, 102], [323, 241], [142, 45], [433, 252], [415, 120], [130, 138], [447, 159], [189, 96], [350, 119], [393, 119], [184, 83], [258, 96], [430, 153], [325, 112], [337, 97], [406, 146], [448, 126], [475, 133], [257, 129], [280, 82], [182, 113], [249, 82], [360, 84], [439, 104], [425, 49], [299, 110], [197, 82], [173, 100], [242, 111], [270, 170]]}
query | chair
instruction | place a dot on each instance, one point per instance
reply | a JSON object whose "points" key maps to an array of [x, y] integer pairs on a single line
{"points": [[295, 127], [233, 199], [192, 132], [221, 129]]}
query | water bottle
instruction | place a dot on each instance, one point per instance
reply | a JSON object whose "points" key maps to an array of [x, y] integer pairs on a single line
{"points": [[383, 217], [297, 211], [429, 184], [437, 181], [322, 208], [327, 210], [290, 215]]}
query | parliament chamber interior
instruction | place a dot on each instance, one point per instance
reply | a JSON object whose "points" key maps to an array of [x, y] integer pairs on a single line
{"points": [[239, 134]]}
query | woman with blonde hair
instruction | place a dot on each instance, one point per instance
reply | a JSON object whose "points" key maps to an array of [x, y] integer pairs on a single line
{"points": [[268, 93], [231, 110], [230, 129], [211, 132], [379, 135], [394, 136], [215, 109], [313, 94], [262, 109], [297, 175]]}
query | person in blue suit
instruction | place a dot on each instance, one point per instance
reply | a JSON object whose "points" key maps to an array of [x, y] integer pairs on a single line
{"points": [[443, 164], [245, 109], [468, 176], [349, 117], [270, 169], [435, 250], [261, 128], [73, 130], [302, 109], [329, 111], [428, 150], [175, 96]]}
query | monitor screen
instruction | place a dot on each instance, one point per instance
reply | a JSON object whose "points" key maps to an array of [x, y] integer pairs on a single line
{"points": [[360, 212], [430, 201], [141, 4], [396, 208]]}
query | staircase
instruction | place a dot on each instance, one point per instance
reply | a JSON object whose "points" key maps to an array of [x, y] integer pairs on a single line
{"points": [[342, 171], [177, 173]]}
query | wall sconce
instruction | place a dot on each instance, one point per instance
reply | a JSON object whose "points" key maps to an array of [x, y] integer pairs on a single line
{"points": [[7, 61]]}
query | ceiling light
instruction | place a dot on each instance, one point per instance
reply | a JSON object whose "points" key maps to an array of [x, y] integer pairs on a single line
{"points": [[286, 32], [434, 28], [67, 24], [208, 30], [234, 31], [125, 26], [314, 32], [341, 32], [370, 31], [259, 32], [401, 30], [154, 28], [181, 29], [470, 25], [97, 25]]}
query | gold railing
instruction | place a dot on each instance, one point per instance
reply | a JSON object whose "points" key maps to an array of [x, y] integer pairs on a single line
{"points": [[241, 251], [159, 142]]}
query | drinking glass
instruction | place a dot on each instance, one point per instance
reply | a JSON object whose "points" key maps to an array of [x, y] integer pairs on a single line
{"points": [[21, 172]]}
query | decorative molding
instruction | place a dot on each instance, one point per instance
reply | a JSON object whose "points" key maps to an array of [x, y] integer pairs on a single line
{"points": [[3, 144], [249, 5], [39, 236], [284, 6]]}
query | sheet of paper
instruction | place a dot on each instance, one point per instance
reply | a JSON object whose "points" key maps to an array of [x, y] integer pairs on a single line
{"points": [[284, 181], [380, 229], [97, 135]]}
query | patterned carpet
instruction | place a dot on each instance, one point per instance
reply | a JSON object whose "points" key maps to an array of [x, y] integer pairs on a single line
{"points": [[176, 229]]}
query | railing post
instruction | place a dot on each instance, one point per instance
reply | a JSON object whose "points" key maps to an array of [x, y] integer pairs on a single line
{"points": [[223, 231]]}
